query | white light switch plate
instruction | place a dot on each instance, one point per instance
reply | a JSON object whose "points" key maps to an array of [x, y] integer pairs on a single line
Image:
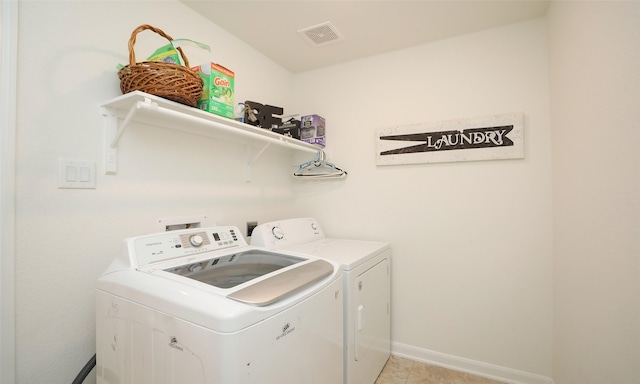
{"points": [[76, 174]]}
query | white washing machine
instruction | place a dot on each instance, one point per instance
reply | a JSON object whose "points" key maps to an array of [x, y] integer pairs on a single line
{"points": [[366, 267], [202, 306]]}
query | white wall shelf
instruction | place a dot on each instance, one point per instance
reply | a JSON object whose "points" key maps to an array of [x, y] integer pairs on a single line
{"points": [[152, 110]]}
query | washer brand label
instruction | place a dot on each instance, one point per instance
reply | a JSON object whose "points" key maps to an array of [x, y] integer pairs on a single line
{"points": [[287, 329], [173, 343]]}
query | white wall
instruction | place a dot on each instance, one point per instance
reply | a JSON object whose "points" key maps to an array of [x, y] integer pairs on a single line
{"points": [[65, 238], [595, 93], [472, 267]]}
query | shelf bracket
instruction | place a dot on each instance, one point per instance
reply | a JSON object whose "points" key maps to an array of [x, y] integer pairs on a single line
{"points": [[113, 133], [110, 153], [252, 159]]}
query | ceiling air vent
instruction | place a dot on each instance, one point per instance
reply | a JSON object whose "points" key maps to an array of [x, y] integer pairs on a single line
{"points": [[321, 34]]}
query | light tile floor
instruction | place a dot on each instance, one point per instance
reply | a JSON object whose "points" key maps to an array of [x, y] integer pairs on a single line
{"points": [[399, 370]]}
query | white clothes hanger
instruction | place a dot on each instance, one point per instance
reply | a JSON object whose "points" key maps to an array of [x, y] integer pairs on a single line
{"points": [[319, 168]]}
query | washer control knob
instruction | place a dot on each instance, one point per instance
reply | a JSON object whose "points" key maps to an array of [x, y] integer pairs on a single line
{"points": [[277, 233], [195, 267], [196, 240]]}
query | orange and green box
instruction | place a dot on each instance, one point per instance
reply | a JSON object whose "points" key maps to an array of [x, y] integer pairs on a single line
{"points": [[218, 94]]}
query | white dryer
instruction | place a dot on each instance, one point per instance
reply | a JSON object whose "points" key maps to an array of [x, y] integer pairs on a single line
{"points": [[202, 306], [367, 283]]}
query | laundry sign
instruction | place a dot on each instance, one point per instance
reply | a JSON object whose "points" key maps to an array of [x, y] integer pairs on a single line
{"points": [[483, 138]]}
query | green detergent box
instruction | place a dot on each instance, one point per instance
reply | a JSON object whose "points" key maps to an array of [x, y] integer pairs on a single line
{"points": [[217, 96]]}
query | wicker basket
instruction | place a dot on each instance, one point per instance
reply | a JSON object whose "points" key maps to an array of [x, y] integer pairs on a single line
{"points": [[167, 80]]}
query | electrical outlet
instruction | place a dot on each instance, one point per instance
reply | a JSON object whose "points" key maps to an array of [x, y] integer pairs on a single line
{"points": [[251, 225]]}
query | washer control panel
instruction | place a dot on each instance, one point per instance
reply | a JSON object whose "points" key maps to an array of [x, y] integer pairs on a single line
{"points": [[163, 246]]}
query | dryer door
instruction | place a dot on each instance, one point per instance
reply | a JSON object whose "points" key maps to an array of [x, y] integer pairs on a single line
{"points": [[372, 320]]}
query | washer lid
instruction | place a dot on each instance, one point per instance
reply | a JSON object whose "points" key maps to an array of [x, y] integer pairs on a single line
{"points": [[270, 290], [272, 276], [230, 270]]}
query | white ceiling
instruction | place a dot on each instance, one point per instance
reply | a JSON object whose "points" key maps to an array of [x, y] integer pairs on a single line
{"points": [[369, 27]]}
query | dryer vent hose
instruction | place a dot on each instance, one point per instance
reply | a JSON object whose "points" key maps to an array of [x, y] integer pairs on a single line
{"points": [[85, 371]]}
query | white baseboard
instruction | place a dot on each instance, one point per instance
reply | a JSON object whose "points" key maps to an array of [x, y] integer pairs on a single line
{"points": [[478, 368]]}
